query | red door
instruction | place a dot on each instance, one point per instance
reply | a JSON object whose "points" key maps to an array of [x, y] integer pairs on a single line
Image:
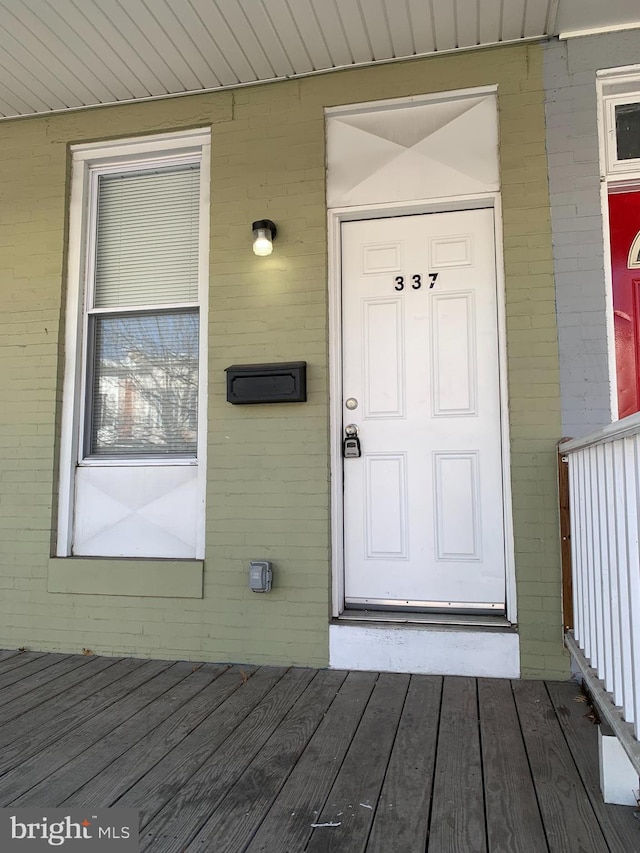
{"points": [[624, 224]]}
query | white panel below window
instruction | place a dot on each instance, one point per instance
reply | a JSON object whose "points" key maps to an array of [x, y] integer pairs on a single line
{"points": [[136, 511]]}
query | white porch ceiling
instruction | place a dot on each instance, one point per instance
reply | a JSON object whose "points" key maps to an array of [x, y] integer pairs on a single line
{"points": [[67, 54]]}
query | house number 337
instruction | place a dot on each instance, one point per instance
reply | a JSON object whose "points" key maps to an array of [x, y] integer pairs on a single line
{"points": [[416, 281]]}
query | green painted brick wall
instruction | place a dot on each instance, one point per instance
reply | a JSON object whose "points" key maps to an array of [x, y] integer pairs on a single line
{"points": [[268, 476]]}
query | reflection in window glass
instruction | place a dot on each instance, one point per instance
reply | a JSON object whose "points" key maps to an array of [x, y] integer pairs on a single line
{"points": [[143, 399], [628, 131]]}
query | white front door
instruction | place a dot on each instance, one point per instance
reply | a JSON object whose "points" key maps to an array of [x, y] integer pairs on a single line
{"points": [[423, 504]]}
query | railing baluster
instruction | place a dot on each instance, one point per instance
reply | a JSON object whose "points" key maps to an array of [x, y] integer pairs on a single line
{"points": [[605, 645], [596, 568], [576, 553], [633, 558], [621, 549], [615, 682]]}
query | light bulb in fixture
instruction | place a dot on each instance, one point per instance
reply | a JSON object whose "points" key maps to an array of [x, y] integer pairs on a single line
{"points": [[264, 233]]}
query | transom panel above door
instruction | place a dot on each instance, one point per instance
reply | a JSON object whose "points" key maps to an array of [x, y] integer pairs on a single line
{"points": [[423, 503]]}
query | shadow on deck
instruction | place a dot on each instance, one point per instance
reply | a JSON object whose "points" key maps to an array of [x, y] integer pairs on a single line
{"points": [[234, 759]]}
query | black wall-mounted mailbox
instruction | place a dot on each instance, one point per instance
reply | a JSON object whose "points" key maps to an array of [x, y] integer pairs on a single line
{"points": [[267, 383]]}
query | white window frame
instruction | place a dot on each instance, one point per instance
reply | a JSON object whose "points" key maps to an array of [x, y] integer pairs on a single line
{"points": [[615, 87], [88, 162]]}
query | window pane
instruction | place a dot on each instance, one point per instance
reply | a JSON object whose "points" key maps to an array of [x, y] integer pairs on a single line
{"points": [[147, 239], [628, 131], [144, 395]]}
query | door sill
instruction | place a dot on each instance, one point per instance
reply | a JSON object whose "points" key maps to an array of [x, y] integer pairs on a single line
{"points": [[404, 617]]}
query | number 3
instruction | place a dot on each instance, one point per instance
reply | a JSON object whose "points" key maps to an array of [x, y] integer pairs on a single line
{"points": [[417, 282], [399, 282]]}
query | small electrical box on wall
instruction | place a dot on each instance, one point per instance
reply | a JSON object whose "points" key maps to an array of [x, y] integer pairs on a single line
{"points": [[260, 575], [267, 383]]}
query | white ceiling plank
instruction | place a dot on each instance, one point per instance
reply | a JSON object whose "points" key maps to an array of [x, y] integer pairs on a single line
{"points": [[467, 24], [376, 24], [280, 13], [195, 44], [490, 21], [512, 20], [356, 32], [536, 13], [34, 62], [33, 80], [163, 30], [17, 105], [239, 19], [420, 15], [399, 23], [10, 109], [332, 31], [98, 26], [135, 48], [225, 40], [17, 90], [445, 24], [261, 16], [311, 33], [61, 25]]}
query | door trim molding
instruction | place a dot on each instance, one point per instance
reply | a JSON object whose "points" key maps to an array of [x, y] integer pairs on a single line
{"points": [[335, 217]]}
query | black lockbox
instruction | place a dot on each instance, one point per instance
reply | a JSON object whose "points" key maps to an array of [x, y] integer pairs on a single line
{"points": [[285, 382]]}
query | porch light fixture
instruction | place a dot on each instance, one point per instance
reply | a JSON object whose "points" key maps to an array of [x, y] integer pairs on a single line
{"points": [[264, 233]]}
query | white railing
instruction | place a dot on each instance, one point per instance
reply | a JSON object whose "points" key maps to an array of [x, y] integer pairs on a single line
{"points": [[604, 489]]}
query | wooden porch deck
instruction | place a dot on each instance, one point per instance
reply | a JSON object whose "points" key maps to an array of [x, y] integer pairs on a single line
{"points": [[233, 759]]}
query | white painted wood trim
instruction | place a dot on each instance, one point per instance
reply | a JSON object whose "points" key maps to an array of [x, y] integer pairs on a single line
{"points": [[511, 598], [411, 100], [72, 363], [335, 218], [427, 650], [612, 432]]}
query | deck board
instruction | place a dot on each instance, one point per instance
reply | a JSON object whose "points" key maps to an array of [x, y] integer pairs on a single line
{"points": [[59, 711], [46, 681], [247, 802], [457, 818], [514, 824], [61, 750], [569, 820], [239, 759], [287, 826], [401, 820], [618, 824], [354, 796], [202, 792], [60, 784]]}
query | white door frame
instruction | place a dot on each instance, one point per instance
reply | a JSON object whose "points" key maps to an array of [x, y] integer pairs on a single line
{"points": [[336, 216]]}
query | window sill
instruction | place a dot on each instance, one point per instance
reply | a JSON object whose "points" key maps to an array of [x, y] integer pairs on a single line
{"points": [[122, 576]]}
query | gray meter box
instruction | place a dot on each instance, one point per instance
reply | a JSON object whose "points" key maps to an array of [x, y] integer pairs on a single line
{"points": [[260, 576]]}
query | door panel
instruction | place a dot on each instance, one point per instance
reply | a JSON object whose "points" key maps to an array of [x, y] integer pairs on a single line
{"points": [[423, 503], [624, 227]]}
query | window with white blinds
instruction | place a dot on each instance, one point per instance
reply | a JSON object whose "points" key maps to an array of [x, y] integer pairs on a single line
{"points": [[147, 237], [142, 368]]}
